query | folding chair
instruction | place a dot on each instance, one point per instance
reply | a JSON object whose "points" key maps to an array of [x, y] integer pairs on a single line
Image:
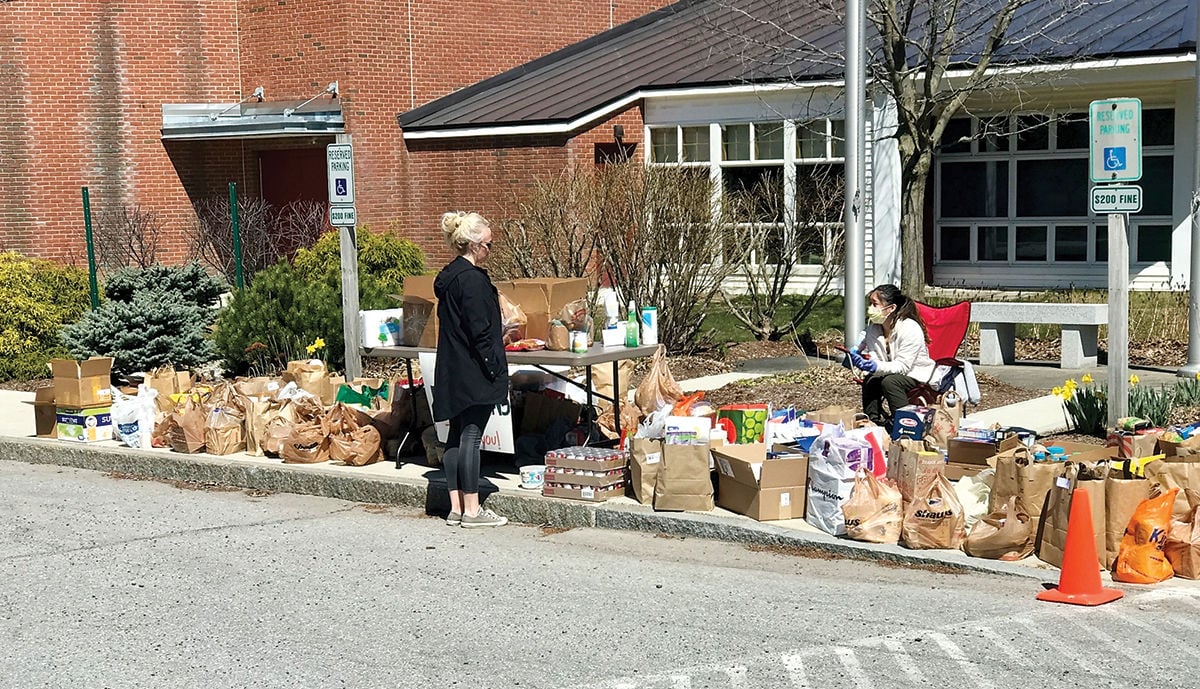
{"points": [[947, 328]]}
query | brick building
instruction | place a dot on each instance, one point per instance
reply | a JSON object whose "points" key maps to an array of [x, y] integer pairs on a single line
{"points": [[139, 101]]}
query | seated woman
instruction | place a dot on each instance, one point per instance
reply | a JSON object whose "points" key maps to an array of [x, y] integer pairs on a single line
{"points": [[894, 353]]}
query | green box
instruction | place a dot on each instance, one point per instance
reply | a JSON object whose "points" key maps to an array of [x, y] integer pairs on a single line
{"points": [[84, 425]]}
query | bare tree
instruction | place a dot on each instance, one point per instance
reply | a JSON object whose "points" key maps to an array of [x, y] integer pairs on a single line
{"points": [[930, 56], [544, 235], [127, 237], [779, 242], [267, 234], [662, 244]]}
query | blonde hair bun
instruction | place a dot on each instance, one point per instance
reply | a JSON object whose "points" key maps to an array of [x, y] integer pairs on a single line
{"points": [[460, 229]]}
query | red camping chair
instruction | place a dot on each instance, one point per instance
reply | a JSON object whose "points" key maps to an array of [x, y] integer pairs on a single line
{"points": [[946, 326]]}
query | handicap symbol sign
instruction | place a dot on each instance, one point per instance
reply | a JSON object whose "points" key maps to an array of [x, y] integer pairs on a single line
{"points": [[1114, 158], [340, 183]]}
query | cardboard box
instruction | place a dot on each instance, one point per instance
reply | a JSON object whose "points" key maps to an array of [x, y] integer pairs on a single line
{"points": [[967, 451], [420, 312], [1133, 445], [542, 299], [612, 478], [912, 422], [45, 419], [954, 471], [764, 489], [82, 384], [84, 425], [587, 493]]}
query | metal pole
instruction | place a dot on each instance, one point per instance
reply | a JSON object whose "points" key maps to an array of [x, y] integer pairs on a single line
{"points": [[1118, 317], [237, 234], [350, 324], [1192, 368], [855, 266], [91, 250]]}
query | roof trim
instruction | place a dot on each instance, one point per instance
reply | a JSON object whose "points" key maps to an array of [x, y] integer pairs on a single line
{"points": [[212, 121], [612, 107]]}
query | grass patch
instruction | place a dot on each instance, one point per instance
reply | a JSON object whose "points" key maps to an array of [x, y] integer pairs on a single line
{"points": [[829, 313]]}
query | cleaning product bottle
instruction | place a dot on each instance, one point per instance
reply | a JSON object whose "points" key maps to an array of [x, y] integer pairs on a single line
{"points": [[631, 326]]}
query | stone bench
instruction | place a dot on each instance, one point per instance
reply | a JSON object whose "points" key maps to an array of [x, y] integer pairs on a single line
{"points": [[997, 329]]}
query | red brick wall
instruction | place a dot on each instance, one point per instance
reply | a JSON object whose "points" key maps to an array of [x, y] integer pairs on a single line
{"points": [[84, 83]]}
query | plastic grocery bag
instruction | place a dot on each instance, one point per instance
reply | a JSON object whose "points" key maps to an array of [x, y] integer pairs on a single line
{"points": [[133, 417], [935, 519], [830, 483], [658, 388], [1182, 546], [1140, 559], [1006, 534], [974, 492], [874, 511]]}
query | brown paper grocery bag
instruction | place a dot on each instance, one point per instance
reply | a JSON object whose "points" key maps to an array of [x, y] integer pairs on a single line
{"points": [[312, 377], [1182, 546], [834, 413], [1180, 471], [1051, 539], [684, 481], [1121, 498], [186, 432], [645, 456], [1017, 474], [913, 464]]}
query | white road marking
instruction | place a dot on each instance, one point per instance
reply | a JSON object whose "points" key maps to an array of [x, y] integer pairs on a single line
{"points": [[1002, 644], [850, 661], [1059, 647], [1151, 629], [896, 650], [1105, 641], [795, 667], [971, 669]]}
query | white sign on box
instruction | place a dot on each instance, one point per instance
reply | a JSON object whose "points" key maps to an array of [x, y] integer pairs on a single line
{"points": [[497, 436]]}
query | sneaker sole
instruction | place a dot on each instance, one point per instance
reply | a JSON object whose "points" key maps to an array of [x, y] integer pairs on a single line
{"points": [[482, 525]]}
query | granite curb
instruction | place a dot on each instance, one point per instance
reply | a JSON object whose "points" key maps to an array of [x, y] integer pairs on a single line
{"points": [[525, 508]]}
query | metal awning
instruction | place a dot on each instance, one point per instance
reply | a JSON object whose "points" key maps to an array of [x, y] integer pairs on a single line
{"points": [[205, 121]]}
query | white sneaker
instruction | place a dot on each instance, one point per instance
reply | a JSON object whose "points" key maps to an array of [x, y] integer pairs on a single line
{"points": [[484, 518]]}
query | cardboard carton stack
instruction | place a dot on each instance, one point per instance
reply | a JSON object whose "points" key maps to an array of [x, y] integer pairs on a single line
{"points": [[83, 399], [594, 474], [542, 299]]}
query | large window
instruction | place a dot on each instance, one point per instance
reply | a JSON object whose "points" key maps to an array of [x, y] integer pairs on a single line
{"points": [[1013, 190], [781, 172]]}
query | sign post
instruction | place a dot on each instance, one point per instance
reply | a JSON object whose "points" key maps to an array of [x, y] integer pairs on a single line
{"points": [[1115, 156], [339, 171]]}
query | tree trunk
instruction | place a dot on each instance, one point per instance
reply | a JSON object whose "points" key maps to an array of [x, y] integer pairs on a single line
{"points": [[912, 222]]}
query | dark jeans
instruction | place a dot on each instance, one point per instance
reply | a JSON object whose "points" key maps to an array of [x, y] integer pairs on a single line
{"points": [[892, 387], [461, 461]]}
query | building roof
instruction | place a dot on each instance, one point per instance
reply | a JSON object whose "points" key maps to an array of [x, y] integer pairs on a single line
{"points": [[714, 43]]}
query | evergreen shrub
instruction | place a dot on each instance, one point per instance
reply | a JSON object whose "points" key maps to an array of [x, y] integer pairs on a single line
{"points": [[154, 316], [384, 260]]}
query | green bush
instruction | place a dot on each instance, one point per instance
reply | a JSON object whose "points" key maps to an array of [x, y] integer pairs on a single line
{"points": [[283, 311], [36, 298], [152, 329], [154, 316], [384, 260], [189, 280]]}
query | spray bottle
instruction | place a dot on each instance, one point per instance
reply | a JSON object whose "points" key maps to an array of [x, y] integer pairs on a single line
{"points": [[631, 326]]}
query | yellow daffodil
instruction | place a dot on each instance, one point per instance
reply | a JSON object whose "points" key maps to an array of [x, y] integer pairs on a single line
{"points": [[1134, 380], [1087, 379], [1068, 393], [310, 349], [1057, 392], [1071, 384], [1197, 375], [318, 344]]}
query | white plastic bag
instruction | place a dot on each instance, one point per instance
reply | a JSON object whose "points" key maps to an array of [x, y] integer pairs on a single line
{"points": [[133, 417], [974, 492], [831, 481]]}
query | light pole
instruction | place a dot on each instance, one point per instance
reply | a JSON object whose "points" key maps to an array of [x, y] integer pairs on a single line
{"points": [[856, 133]]}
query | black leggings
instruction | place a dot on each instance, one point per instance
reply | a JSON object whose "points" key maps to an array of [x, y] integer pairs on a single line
{"points": [[892, 387], [461, 461]]}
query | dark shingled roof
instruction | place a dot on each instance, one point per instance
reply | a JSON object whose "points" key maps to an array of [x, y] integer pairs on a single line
{"points": [[727, 42]]}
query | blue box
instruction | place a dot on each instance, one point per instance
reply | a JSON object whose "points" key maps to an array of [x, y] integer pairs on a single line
{"points": [[911, 422]]}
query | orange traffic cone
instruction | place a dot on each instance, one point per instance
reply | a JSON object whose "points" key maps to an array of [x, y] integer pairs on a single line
{"points": [[1079, 580]]}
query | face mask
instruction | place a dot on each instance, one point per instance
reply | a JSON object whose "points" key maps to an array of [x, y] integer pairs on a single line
{"points": [[875, 314]]}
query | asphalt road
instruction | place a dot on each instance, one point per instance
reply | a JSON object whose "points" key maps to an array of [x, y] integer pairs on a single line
{"points": [[112, 582]]}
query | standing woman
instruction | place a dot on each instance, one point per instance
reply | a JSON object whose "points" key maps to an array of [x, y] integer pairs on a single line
{"points": [[894, 352], [471, 376]]}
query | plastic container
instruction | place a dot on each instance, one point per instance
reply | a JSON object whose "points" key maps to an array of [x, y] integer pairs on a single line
{"points": [[1057, 454], [533, 476], [649, 325]]}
